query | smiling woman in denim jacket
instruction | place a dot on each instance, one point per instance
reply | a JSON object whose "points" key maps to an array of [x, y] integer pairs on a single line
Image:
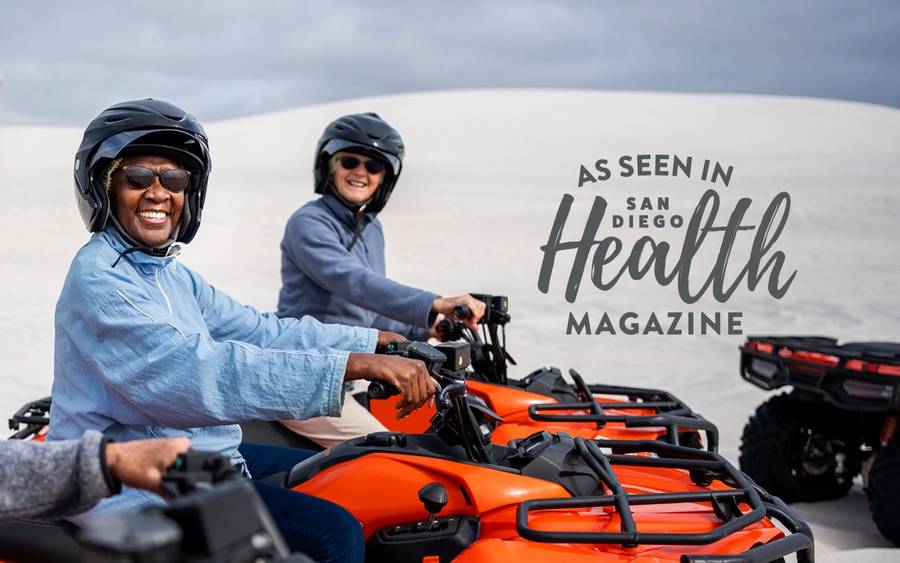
{"points": [[147, 348]]}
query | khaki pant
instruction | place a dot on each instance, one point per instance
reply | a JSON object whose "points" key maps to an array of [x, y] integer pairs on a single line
{"points": [[327, 431]]}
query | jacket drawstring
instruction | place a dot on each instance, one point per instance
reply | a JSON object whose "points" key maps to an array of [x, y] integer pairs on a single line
{"points": [[125, 252], [356, 232], [172, 251]]}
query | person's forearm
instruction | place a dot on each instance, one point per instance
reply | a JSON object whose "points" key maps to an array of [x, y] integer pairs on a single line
{"points": [[51, 480], [193, 380], [360, 366]]}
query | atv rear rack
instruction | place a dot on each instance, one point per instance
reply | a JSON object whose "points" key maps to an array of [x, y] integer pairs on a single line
{"points": [[671, 413], [726, 503], [858, 376], [35, 417]]}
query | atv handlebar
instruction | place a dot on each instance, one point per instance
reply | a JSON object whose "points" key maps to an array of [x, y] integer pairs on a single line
{"points": [[496, 310], [447, 329], [199, 524], [194, 471], [446, 362], [454, 419], [462, 312], [489, 355]]}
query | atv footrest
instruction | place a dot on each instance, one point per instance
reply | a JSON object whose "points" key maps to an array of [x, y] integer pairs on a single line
{"points": [[411, 543]]}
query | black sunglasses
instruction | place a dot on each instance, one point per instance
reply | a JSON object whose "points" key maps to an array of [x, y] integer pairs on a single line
{"points": [[175, 180], [351, 162]]}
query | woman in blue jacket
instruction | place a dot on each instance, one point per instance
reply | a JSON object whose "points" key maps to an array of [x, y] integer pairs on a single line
{"points": [[332, 255], [146, 348]]}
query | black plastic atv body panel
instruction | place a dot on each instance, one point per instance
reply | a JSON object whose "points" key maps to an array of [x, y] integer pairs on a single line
{"points": [[859, 376], [542, 456]]}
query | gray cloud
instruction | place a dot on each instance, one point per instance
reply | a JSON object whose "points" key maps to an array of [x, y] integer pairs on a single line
{"points": [[61, 62]]}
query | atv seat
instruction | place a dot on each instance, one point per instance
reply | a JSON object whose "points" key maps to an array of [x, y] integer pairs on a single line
{"points": [[275, 434], [39, 542]]}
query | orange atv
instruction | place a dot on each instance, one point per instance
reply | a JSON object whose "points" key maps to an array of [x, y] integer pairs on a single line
{"points": [[546, 497], [544, 400], [35, 418]]}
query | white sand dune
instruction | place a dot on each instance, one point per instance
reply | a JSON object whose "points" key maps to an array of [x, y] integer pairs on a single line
{"points": [[483, 178]]}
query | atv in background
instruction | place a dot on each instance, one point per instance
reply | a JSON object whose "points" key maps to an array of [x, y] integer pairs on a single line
{"points": [[840, 420]]}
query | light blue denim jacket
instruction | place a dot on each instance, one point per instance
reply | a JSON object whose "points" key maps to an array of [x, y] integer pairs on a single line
{"points": [[322, 278], [148, 349]]}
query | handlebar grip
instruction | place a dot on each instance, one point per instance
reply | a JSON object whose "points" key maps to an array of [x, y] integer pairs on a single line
{"points": [[447, 329], [193, 470], [179, 464], [380, 390], [462, 312]]}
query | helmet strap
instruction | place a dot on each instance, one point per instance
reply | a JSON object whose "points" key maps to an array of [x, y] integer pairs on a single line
{"points": [[161, 251], [354, 207]]}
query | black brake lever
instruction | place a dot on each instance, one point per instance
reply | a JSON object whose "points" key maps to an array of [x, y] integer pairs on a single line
{"points": [[379, 390], [194, 471]]}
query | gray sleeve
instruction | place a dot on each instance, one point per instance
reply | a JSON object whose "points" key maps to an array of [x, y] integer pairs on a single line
{"points": [[53, 479]]}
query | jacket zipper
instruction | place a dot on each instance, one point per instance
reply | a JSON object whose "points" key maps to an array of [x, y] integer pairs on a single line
{"points": [[166, 297]]}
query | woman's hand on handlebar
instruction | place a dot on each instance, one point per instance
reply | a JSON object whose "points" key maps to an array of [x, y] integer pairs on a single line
{"points": [[410, 377], [142, 463], [448, 306], [434, 330], [385, 338]]}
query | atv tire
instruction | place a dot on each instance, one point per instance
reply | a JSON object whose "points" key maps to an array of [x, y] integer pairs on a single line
{"points": [[800, 450], [884, 491]]}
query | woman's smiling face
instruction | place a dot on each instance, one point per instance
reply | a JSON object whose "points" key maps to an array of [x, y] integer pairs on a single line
{"points": [[356, 186], [150, 215]]}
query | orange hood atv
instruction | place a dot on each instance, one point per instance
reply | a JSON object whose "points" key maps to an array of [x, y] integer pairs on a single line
{"points": [[543, 400], [542, 498]]}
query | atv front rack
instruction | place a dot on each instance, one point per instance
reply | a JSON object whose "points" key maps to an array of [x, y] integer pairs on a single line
{"points": [[670, 412], [858, 376], [704, 467], [35, 417]]}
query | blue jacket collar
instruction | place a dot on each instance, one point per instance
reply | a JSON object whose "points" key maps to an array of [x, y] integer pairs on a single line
{"points": [[342, 212], [115, 240]]}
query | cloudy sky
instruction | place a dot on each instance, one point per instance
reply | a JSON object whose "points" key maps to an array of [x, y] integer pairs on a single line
{"points": [[61, 61]]}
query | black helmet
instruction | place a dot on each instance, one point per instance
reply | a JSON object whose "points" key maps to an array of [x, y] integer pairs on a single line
{"points": [[364, 133], [141, 127]]}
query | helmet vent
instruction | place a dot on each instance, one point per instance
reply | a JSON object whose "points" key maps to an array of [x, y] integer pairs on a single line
{"points": [[116, 118]]}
